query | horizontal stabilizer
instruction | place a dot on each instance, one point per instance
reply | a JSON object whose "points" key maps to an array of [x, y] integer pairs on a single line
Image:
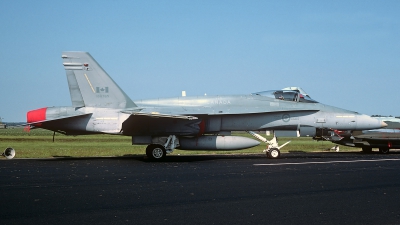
{"points": [[38, 123]]}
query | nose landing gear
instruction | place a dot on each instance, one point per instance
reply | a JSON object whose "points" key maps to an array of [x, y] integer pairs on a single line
{"points": [[273, 149]]}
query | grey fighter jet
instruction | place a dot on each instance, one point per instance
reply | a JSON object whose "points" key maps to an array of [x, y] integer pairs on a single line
{"points": [[99, 106], [383, 139]]}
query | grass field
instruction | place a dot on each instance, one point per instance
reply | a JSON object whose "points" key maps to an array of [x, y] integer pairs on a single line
{"points": [[38, 143]]}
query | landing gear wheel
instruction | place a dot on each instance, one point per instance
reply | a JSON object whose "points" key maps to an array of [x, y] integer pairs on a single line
{"points": [[156, 152], [366, 149], [384, 150], [273, 153]]}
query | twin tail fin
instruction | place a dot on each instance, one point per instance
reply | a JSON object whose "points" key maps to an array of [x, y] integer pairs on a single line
{"points": [[90, 86]]}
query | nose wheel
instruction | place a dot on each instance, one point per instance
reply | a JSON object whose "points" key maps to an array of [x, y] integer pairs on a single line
{"points": [[272, 150], [273, 153]]}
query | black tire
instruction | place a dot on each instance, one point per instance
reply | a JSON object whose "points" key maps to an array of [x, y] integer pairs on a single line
{"points": [[366, 149], [384, 150], [273, 153], [156, 152]]}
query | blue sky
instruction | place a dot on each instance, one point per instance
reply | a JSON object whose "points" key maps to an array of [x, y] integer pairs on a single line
{"points": [[342, 53]]}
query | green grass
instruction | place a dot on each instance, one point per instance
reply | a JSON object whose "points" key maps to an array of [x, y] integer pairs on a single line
{"points": [[38, 143]]}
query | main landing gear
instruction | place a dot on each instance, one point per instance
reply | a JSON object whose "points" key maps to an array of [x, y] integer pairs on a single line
{"points": [[382, 150], [366, 149], [156, 152], [273, 149], [159, 151]]}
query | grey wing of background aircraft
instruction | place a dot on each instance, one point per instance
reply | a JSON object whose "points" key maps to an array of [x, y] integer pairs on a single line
{"points": [[383, 139], [99, 106]]}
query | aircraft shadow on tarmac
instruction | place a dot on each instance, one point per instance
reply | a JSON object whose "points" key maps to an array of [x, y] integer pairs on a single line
{"points": [[199, 158], [172, 158]]}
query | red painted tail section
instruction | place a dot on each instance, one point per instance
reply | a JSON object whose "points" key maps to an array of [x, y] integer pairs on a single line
{"points": [[36, 115]]}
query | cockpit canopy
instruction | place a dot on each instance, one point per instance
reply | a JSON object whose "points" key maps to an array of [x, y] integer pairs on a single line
{"points": [[287, 95]]}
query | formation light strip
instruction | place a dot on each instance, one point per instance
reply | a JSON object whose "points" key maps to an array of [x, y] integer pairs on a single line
{"points": [[89, 83]]}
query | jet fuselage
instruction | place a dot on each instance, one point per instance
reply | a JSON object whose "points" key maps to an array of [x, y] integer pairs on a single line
{"points": [[215, 114], [99, 105]]}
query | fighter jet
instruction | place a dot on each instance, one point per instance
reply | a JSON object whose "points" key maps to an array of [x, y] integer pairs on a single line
{"points": [[99, 106], [383, 139]]}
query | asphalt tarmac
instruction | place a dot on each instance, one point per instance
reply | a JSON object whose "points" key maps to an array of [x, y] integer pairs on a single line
{"points": [[299, 188]]}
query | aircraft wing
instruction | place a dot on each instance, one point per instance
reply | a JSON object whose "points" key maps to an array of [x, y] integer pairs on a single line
{"points": [[156, 114]]}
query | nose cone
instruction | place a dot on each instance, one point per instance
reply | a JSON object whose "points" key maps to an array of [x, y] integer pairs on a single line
{"points": [[365, 122]]}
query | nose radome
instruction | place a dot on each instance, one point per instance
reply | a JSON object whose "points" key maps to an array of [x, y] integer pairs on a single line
{"points": [[366, 122]]}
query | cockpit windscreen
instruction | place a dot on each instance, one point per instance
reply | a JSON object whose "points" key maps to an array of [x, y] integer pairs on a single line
{"points": [[285, 95]]}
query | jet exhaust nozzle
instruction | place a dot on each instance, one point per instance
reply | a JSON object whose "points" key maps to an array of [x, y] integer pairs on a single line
{"points": [[9, 153]]}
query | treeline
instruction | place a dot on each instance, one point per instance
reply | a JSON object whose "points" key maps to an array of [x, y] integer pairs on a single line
{"points": [[10, 124], [398, 117]]}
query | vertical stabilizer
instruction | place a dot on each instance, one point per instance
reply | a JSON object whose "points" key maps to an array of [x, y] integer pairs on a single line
{"points": [[90, 85]]}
